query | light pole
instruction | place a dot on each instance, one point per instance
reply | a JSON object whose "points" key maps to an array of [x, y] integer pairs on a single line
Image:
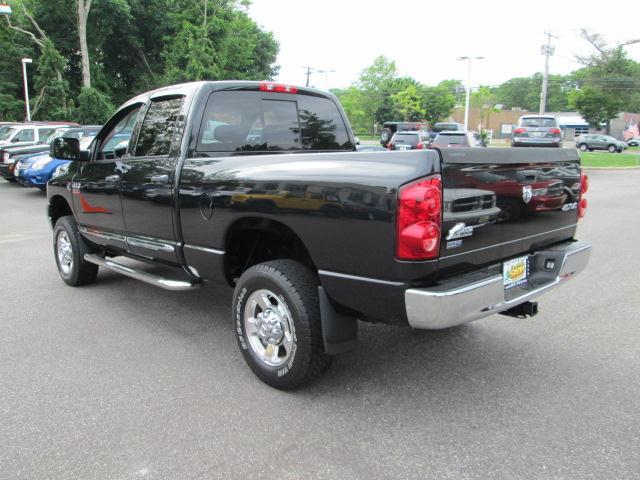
{"points": [[26, 87], [468, 97]]}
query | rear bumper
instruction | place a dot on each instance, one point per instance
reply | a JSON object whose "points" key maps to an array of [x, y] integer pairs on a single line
{"points": [[464, 299], [536, 142]]}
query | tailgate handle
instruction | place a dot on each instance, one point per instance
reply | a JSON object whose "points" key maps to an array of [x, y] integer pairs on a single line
{"points": [[161, 179]]}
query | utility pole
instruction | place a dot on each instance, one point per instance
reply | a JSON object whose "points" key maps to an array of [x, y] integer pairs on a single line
{"points": [[546, 50], [309, 70]]}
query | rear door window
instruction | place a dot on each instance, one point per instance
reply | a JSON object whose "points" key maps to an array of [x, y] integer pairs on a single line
{"points": [[43, 133], [158, 128]]}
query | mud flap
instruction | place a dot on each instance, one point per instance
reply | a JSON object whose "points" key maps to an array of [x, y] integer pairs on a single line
{"points": [[339, 332]]}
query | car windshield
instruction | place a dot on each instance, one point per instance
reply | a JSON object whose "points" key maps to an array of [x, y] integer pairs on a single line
{"points": [[407, 138], [539, 122], [5, 135], [452, 139], [441, 127], [54, 134]]}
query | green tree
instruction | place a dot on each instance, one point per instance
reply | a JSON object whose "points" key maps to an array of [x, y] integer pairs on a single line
{"points": [[607, 83], [408, 104], [94, 107], [596, 105], [438, 102], [51, 102]]}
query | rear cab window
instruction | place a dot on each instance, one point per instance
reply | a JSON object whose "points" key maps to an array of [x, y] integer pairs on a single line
{"points": [[251, 121]]}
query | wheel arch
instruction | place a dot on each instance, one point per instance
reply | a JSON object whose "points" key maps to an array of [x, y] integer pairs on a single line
{"points": [[252, 240], [58, 207]]}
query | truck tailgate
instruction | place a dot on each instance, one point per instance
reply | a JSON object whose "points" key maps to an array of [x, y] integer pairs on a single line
{"points": [[501, 202]]}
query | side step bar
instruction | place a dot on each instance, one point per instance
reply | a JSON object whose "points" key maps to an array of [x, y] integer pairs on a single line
{"points": [[150, 278]]}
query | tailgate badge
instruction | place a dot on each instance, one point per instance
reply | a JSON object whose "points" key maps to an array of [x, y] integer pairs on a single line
{"points": [[527, 193], [459, 230]]}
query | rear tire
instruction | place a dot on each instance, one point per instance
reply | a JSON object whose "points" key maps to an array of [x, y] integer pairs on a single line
{"points": [[277, 319], [69, 248], [611, 148], [583, 147]]}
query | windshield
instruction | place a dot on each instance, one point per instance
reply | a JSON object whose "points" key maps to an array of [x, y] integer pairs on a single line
{"points": [[5, 135], [443, 138], [539, 122], [54, 134]]}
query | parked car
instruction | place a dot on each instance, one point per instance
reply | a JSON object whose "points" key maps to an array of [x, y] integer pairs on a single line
{"points": [[37, 169], [457, 139], [634, 142], [396, 254], [389, 128], [409, 141], [445, 127], [596, 141], [10, 154], [537, 131]]}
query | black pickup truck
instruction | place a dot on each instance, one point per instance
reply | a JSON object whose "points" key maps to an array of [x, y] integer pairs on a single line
{"points": [[258, 184]]}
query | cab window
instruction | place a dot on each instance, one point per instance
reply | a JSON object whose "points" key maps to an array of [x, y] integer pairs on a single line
{"points": [[116, 140], [158, 128]]}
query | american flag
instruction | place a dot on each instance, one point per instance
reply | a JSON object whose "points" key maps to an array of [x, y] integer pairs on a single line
{"points": [[631, 132]]}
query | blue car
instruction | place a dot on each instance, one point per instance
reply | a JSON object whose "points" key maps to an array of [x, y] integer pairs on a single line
{"points": [[36, 170]]}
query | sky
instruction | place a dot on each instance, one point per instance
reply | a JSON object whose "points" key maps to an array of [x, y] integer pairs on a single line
{"points": [[425, 38]]}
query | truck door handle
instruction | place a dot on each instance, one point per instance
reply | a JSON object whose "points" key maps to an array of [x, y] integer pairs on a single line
{"points": [[112, 179], [161, 179]]}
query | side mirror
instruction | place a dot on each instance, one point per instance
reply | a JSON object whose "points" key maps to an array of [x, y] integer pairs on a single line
{"points": [[65, 149]]}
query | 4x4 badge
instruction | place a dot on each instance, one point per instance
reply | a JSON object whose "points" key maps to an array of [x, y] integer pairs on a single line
{"points": [[527, 193]]}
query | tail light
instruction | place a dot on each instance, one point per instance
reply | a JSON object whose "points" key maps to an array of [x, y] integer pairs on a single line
{"points": [[277, 87], [584, 187], [420, 146], [519, 130], [419, 219], [555, 131], [390, 146]]}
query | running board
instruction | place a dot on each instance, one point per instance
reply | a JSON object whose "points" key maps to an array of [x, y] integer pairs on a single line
{"points": [[150, 278]]}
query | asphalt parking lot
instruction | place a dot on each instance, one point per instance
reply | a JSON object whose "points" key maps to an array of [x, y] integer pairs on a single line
{"points": [[120, 380]]}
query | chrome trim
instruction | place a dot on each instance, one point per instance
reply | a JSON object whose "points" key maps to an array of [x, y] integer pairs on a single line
{"points": [[151, 279], [450, 304], [103, 235], [358, 278], [510, 241], [205, 249], [156, 245]]}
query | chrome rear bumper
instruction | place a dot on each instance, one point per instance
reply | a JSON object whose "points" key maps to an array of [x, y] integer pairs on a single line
{"points": [[464, 299]]}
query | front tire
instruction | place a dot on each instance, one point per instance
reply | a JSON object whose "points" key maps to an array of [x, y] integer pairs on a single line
{"points": [[611, 148], [69, 249], [583, 147], [277, 318]]}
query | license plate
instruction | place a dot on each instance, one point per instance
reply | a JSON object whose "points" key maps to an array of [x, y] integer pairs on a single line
{"points": [[404, 147], [515, 271], [536, 134]]}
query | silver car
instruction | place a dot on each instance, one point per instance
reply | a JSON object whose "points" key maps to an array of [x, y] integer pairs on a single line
{"points": [[537, 131], [596, 141]]}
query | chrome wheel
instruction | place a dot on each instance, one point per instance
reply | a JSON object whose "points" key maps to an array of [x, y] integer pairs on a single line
{"points": [[64, 251], [269, 327]]}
